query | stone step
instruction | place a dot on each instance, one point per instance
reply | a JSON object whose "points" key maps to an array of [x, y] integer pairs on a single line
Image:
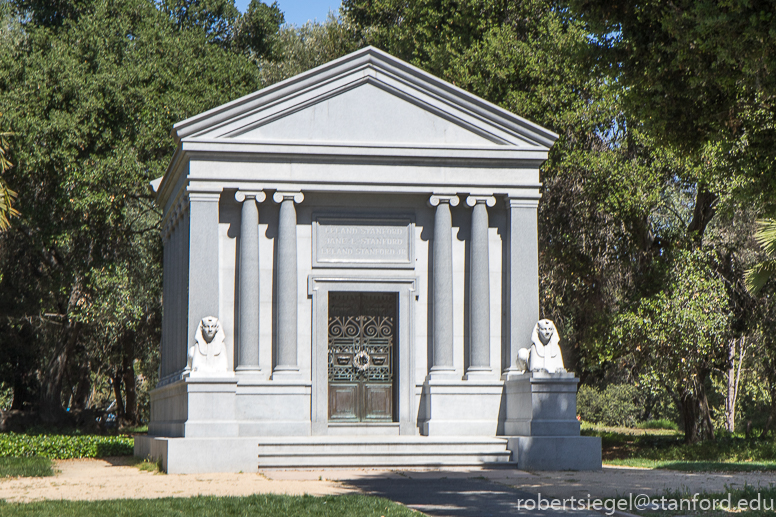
{"points": [[380, 451]]}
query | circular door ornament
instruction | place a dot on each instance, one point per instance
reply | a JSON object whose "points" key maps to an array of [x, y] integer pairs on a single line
{"points": [[361, 360]]}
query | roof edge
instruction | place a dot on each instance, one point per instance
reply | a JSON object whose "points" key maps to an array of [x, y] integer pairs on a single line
{"points": [[365, 56]]}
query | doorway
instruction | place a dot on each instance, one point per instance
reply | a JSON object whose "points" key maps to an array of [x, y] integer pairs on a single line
{"points": [[362, 356]]}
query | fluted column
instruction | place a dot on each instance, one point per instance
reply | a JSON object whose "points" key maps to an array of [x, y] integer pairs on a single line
{"points": [[479, 287], [248, 283], [442, 264], [286, 269]]}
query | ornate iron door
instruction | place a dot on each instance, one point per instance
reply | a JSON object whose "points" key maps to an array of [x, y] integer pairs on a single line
{"points": [[362, 334]]}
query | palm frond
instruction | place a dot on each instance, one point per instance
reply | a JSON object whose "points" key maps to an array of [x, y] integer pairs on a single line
{"points": [[766, 235], [756, 277], [7, 196]]}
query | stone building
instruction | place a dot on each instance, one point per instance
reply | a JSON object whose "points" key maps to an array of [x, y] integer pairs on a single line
{"points": [[366, 236]]}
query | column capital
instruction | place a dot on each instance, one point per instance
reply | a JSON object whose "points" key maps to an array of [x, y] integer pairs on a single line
{"points": [[206, 197], [488, 200], [451, 199], [523, 201], [280, 196], [242, 195]]}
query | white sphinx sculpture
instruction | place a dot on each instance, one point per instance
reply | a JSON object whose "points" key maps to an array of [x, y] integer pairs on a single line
{"points": [[544, 354], [208, 355]]}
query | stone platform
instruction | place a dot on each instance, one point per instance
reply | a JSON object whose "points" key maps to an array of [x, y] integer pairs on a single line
{"points": [[248, 454]]}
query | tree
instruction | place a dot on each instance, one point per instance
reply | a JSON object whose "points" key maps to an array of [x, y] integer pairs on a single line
{"points": [[259, 27], [679, 334], [91, 89], [698, 77]]}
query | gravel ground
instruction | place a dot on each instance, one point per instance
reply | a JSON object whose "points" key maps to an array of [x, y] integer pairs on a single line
{"points": [[114, 478]]}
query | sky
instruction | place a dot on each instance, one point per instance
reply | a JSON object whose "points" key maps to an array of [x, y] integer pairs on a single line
{"points": [[299, 12]]}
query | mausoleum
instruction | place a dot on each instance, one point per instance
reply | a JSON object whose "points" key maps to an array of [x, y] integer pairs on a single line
{"points": [[350, 270]]}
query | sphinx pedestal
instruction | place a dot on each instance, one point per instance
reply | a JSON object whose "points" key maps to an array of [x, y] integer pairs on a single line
{"points": [[541, 423]]}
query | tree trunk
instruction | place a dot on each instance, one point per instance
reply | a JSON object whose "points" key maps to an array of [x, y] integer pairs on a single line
{"points": [[130, 414], [733, 379], [707, 424], [120, 409], [696, 414], [51, 410], [689, 408], [19, 393], [730, 400], [83, 387], [703, 212]]}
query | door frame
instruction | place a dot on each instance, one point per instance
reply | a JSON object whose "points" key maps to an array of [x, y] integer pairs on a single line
{"points": [[318, 287]]}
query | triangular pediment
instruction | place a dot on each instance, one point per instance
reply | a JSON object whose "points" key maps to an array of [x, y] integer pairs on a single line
{"points": [[367, 114], [366, 98]]}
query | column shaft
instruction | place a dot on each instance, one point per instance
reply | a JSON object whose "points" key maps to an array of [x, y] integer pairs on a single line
{"points": [[442, 263], [479, 287], [286, 269], [248, 286]]}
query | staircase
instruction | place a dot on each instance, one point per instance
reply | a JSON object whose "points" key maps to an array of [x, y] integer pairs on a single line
{"points": [[381, 451]]}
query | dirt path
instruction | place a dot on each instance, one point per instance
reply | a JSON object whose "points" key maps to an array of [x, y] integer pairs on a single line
{"points": [[115, 478]]}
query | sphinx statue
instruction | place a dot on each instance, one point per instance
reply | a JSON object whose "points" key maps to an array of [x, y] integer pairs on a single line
{"points": [[544, 354], [208, 354]]}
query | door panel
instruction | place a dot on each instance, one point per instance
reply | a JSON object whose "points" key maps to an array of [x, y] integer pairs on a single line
{"points": [[342, 402], [362, 330]]}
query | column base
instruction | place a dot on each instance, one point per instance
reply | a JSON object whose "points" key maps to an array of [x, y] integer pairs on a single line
{"points": [[248, 370], [479, 373], [443, 374], [286, 373]]}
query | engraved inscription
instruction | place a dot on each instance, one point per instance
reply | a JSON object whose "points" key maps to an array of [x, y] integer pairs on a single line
{"points": [[365, 241]]}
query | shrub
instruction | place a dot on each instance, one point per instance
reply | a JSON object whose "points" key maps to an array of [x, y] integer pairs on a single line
{"points": [[614, 406], [63, 447]]}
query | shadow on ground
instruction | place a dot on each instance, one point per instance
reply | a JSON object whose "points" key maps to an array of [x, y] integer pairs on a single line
{"points": [[456, 496]]}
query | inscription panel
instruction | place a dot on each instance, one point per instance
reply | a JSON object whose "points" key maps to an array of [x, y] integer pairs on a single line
{"points": [[352, 241]]}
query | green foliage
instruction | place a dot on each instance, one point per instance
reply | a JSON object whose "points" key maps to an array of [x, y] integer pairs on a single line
{"points": [[266, 505], [90, 90], [658, 424], [616, 405], [694, 72], [64, 447], [643, 445], [298, 49], [258, 29], [760, 273], [679, 334], [34, 466], [216, 18]]}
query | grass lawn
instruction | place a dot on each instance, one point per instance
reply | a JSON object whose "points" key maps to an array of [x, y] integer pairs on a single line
{"points": [[36, 466], [665, 449], [256, 506]]}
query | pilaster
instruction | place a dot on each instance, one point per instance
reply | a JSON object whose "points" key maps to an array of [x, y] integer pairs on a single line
{"points": [[202, 258], [522, 275]]}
